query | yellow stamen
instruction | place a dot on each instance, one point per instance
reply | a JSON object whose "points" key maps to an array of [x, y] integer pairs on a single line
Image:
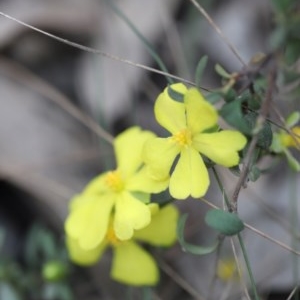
{"points": [[114, 181], [111, 237], [183, 137]]}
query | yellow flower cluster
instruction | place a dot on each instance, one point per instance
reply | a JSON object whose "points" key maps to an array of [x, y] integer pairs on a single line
{"points": [[114, 210]]}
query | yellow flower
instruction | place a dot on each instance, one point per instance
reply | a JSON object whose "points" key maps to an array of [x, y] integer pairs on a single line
{"points": [[120, 190], [226, 269], [131, 263], [187, 122], [282, 141], [288, 140]]}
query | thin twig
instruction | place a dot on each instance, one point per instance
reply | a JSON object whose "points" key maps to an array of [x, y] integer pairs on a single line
{"points": [[293, 292], [96, 51], [27, 78], [219, 31], [248, 266], [180, 281], [239, 270], [259, 123]]}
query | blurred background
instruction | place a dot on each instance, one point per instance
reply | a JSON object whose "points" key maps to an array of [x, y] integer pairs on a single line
{"points": [[52, 98]]}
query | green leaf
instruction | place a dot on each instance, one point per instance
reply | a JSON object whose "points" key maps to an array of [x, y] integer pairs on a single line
{"points": [[193, 249], [200, 69], [265, 134], [54, 270], [40, 245], [225, 222], [221, 71], [175, 95], [213, 97], [254, 173], [230, 95], [232, 113]]}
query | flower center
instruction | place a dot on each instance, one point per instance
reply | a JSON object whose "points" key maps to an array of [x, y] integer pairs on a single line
{"points": [[183, 137], [114, 181]]}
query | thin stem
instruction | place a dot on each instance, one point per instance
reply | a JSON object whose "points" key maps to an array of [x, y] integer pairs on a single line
{"points": [[98, 52], [219, 31], [179, 280], [238, 267], [256, 297], [244, 252], [147, 44], [244, 174], [29, 79], [292, 293], [221, 186], [259, 124]]}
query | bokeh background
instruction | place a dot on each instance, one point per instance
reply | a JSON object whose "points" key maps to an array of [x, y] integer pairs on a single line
{"points": [[52, 97]]}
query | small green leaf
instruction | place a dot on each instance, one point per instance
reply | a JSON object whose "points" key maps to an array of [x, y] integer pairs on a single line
{"points": [[221, 71], [213, 97], [54, 270], [200, 69], [193, 249], [175, 95], [265, 134], [232, 113], [230, 95], [293, 119], [225, 222], [254, 173]]}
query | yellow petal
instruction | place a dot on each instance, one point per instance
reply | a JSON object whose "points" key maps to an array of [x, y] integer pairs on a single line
{"points": [[88, 222], [83, 257], [133, 265], [291, 140], [130, 214], [226, 269], [190, 176], [128, 149], [159, 155], [201, 114], [143, 182], [221, 147], [169, 113], [97, 185], [76, 201], [162, 229]]}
